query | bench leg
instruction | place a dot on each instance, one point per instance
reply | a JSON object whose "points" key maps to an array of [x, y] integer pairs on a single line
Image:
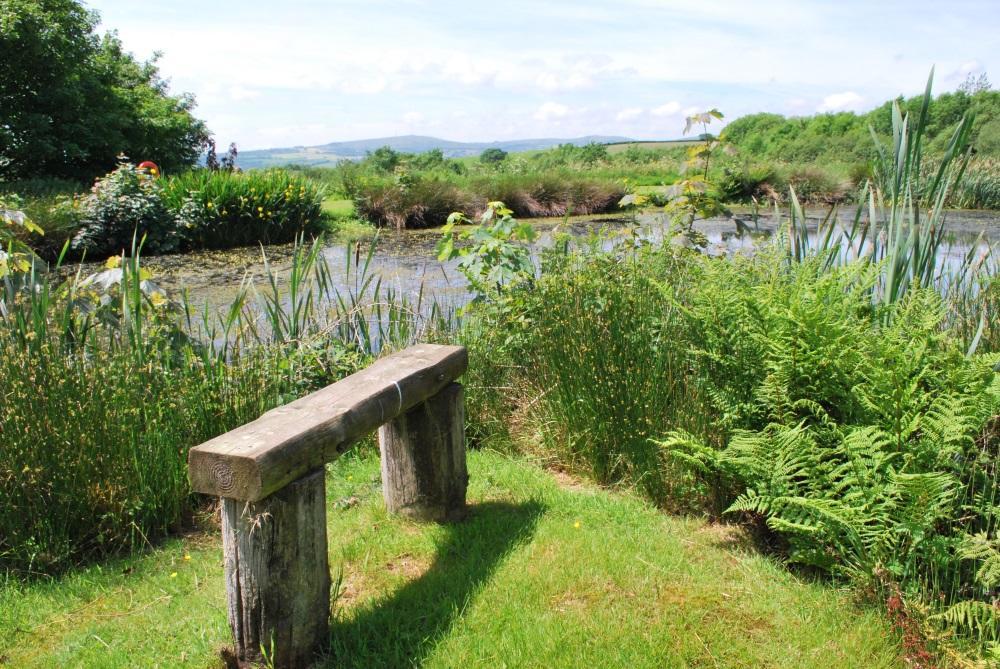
{"points": [[277, 574], [423, 458]]}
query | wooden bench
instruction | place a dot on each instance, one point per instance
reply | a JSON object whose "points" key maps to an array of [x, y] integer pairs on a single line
{"points": [[270, 476]]}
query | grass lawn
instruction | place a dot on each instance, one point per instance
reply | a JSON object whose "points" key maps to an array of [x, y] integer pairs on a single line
{"points": [[338, 208], [544, 573]]}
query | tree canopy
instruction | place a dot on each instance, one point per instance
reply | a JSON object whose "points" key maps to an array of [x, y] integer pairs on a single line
{"points": [[845, 136], [72, 100]]}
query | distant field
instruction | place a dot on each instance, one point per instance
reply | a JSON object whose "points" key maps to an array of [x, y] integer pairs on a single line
{"points": [[668, 144]]}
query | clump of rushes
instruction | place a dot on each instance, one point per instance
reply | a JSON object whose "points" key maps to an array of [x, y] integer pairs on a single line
{"points": [[418, 200]]}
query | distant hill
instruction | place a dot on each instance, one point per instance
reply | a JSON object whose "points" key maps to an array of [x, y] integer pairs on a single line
{"points": [[330, 154]]}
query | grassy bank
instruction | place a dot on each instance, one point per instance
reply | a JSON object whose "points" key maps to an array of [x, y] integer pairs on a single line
{"points": [[544, 573]]}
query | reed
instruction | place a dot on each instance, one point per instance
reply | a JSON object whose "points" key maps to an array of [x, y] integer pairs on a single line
{"points": [[108, 382]]}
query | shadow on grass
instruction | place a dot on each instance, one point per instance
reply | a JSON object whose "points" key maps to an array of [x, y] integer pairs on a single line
{"points": [[400, 630]]}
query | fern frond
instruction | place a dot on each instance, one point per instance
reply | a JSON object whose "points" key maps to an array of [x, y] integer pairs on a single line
{"points": [[981, 547], [980, 619]]}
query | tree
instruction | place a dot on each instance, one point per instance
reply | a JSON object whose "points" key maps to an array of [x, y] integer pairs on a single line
{"points": [[492, 156], [593, 153], [384, 158], [428, 160], [71, 100]]}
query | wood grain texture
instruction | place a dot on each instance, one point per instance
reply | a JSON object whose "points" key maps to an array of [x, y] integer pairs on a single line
{"points": [[261, 457], [277, 574], [423, 458]]}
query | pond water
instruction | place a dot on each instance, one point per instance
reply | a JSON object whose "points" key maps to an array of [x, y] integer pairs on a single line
{"points": [[406, 260]]}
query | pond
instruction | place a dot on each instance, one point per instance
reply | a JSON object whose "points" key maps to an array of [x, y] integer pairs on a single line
{"points": [[406, 260]]}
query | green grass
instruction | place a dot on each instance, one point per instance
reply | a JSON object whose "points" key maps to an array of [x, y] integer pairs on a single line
{"points": [[665, 144], [338, 208], [342, 223], [542, 574]]}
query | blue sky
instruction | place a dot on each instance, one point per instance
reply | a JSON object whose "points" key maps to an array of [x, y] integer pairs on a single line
{"points": [[296, 72]]}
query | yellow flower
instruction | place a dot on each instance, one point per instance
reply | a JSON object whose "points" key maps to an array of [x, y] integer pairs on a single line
{"points": [[173, 575], [210, 205], [577, 524], [187, 557]]}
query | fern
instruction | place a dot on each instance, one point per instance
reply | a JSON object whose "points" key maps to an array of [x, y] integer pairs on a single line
{"points": [[987, 551], [978, 619]]}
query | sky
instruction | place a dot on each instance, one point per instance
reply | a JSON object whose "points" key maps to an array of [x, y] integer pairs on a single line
{"points": [[284, 73]]}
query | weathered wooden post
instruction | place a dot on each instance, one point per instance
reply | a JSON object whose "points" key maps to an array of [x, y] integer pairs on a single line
{"points": [[270, 476], [423, 458], [277, 575]]}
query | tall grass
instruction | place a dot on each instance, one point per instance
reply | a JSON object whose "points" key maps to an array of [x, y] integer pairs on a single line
{"points": [[980, 189], [604, 370], [108, 383]]}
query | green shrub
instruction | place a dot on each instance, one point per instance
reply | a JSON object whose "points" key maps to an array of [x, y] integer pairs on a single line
{"points": [[866, 440], [220, 209], [492, 155], [125, 204], [746, 182]]}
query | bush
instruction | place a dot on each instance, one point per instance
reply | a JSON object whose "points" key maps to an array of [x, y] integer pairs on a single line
{"points": [[866, 440], [218, 209], [743, 183], [604, 359], [492, 155], [126, 203], [198, 209]]}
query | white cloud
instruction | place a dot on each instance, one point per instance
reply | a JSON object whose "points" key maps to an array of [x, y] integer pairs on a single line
{"points": [[550, 111], [412, 118], [289, 64], [848, 100], [667, 109], [629, 113], [691, 111], [241, 94], [554, 81]]}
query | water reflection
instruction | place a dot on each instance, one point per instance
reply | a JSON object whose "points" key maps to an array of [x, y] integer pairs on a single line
{"points": [[406, 260]]}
